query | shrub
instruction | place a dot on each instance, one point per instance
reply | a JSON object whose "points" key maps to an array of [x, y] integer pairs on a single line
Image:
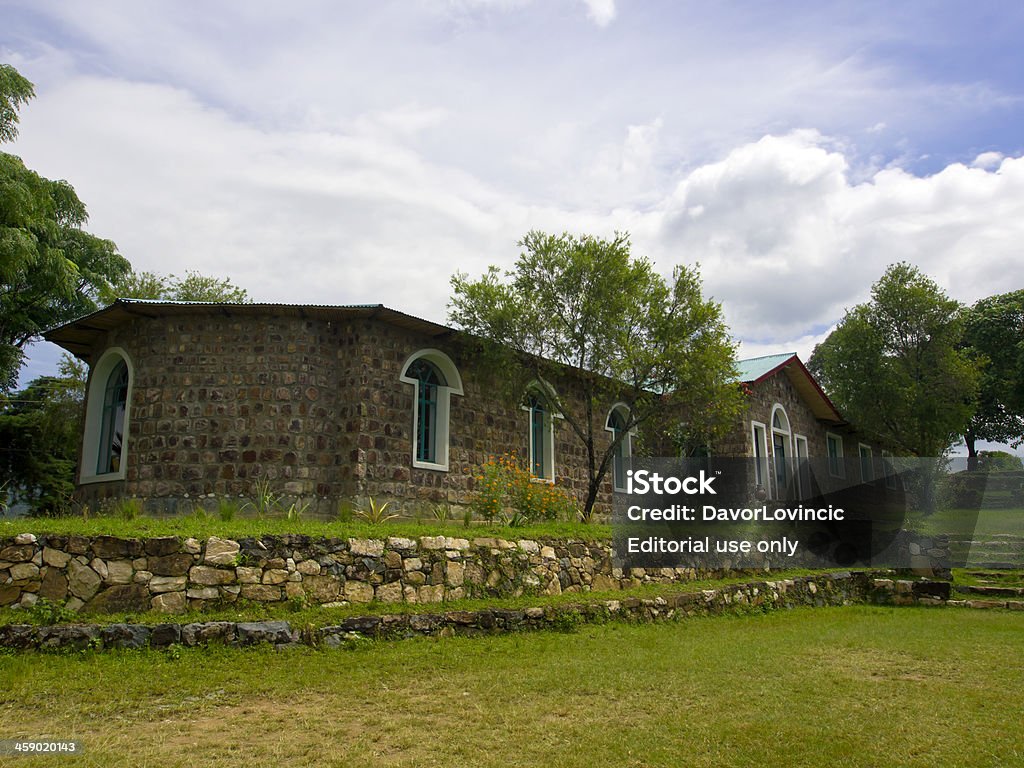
{"points": [[506, 491]]}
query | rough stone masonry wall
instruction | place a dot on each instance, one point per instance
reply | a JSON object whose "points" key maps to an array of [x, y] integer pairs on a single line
{"points": [[220, 401], [486, 421], [314, 407], [833, 589], [764, 395], [106, 574]]}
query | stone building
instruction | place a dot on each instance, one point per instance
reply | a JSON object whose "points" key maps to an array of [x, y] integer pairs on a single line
{"points": [[189, 401], [800, 442]]}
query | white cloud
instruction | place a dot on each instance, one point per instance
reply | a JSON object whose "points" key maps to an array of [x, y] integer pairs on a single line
{"points": [[601, 12], [344, 155], [988, 160], [788, 242]]}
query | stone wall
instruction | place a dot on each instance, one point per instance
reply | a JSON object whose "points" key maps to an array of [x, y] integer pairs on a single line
{"points": [[833, 589], [763, 396], [312, 405], [106, 574]]}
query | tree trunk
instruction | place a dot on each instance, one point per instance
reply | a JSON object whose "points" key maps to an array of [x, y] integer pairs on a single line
{"points": [[972, 454]]}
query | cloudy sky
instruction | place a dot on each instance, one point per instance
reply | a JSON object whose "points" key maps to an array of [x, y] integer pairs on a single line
{"points": [[360, 152]]}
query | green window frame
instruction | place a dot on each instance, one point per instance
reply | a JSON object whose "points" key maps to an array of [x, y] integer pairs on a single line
{"points": [[428, 379]]}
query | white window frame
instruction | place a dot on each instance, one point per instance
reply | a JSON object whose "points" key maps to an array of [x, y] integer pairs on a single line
{"points": [[626, 446], [453, 386], [889, 470], [546, 394], [861, 447], [840, 464], [787, 434], [93, 428], [758, 429], [802, 458]]}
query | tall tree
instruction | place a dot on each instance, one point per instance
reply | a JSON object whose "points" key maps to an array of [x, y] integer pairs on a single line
{"points": [[896, 366], [995, 332], [51, 270], [15, 90], [584, 303], [39, 438]]}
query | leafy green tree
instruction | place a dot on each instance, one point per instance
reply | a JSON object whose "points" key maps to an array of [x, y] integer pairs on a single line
{"points": [[51, 270], [896, 365], [192, 287], [583, 304], [39, 438], [999, 461], [15, 90], [994, 332]]}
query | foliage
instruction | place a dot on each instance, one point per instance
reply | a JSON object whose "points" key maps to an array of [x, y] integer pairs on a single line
{"points": [[999, 461], [375, 514], [505, 491], [295, 511], [47, 612], [895, 367], [127, 509], [584, 304], [39, 435], [226, 510], [51, 270], [994, 332], [264, 499], [193, 287], [15, 90]]}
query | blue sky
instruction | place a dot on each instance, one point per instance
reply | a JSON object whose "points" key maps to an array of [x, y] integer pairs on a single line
{"points": [[333, 152]]}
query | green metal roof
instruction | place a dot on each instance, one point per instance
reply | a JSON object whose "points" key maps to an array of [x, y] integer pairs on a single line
{"points": [[754, 368]]}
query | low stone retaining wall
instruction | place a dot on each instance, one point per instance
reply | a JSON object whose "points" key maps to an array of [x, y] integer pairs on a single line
{"points": [[833, 589], [107, 574]]}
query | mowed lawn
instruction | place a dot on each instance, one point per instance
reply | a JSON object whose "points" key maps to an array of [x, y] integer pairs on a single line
{"points": [[856, 686]]}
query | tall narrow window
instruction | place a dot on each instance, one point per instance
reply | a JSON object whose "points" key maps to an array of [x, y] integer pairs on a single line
{"points": [[539, 426], [115, 402], [834, 447], [434, 379], [538, 405], [803, 470], [781, 451], [760, 452], [616, 424], [867, 470], [105, 437]]}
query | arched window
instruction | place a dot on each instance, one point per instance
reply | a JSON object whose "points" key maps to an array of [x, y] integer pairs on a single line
{"points": [[105, 442], [542, 431], [616, 424], [115, 403], [781, 451], [434, 378]]}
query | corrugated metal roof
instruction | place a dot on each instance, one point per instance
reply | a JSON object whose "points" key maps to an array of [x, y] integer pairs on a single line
{"points": [[80, 336], [755, 368]]}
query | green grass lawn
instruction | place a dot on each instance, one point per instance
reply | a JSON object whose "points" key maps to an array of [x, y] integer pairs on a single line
{"points": [[856, 686], [204, 525]]}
